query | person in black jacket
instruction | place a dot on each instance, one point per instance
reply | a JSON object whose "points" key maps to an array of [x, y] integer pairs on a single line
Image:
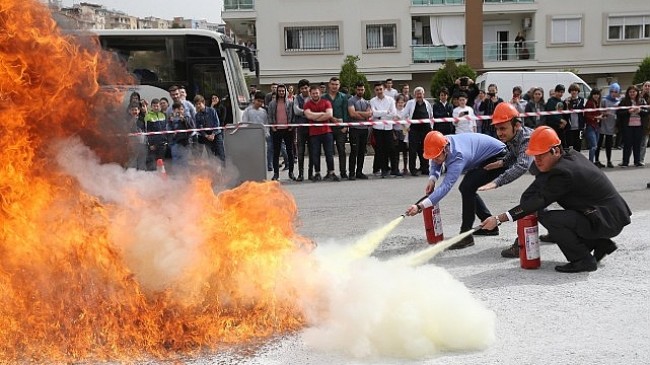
{"points": [[443, 109], [593, 213], [557, 121]]}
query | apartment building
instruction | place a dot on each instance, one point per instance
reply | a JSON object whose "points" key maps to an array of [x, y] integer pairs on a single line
{"points": [[409, 40]]}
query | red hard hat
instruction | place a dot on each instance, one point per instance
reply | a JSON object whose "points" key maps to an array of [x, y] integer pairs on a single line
{"points": [[434, 143], [504, 112], [542, 140]]}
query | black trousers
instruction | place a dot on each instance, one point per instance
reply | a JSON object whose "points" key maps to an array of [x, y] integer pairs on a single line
{"points": [[417, 133], [385, 151], [339, 139], [573, 232], [573, 139], [632, 137], [358, 142], [608, 146], [278, 136], [472, 204]]}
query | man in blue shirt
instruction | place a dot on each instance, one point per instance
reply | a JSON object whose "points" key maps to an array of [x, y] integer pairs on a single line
{"points": [[469, 153]]}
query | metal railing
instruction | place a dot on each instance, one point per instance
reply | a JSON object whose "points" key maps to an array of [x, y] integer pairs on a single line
{"points": [[507, 1], [436, 54], [239, 5], [436, 2], [509, 51]]}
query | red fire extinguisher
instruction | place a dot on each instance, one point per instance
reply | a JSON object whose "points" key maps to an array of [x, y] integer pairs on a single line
{"points": [[528, 238], [433, 224]]}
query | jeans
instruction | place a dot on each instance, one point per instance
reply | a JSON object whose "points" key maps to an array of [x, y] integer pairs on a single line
{"points": [[326, 141], [340, 138], [303, 140], [591, 134]]}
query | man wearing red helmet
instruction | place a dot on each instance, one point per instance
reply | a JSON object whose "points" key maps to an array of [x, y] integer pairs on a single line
{"points": [[593, 213]]}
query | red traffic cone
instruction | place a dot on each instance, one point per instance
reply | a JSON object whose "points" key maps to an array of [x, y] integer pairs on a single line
{"points": [[160, 167]]}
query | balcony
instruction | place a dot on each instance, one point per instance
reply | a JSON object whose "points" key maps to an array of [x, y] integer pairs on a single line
{"points": [[506, 51], [437, 54], [436, 2], [507, 1], [238, 5]]}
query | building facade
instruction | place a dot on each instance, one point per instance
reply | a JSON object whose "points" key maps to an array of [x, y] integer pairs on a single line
{"points": [[409, 40]]}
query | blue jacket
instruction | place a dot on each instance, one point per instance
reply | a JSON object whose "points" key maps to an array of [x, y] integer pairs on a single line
{"points": [[465, 152]]}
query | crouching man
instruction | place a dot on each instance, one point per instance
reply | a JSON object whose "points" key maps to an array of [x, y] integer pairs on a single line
{"points": [[593, 213]]}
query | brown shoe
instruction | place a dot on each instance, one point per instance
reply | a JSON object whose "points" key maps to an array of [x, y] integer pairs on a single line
{"points": [[512, 251], [465, 242]]}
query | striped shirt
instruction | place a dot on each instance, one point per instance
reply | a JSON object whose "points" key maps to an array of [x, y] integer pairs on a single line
{"points": [[516, 161]]}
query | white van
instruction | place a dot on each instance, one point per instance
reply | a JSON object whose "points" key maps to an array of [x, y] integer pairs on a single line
{"points": [[505, 81]]}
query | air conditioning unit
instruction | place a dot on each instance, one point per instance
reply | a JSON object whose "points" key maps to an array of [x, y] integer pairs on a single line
{"points": [[417, 29], [527, 22]]}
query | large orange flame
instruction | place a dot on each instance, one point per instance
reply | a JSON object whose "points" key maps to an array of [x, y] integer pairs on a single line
{"points": [[76, 280]]}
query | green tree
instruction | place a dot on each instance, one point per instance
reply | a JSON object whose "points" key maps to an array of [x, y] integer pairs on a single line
{"points": [[642, 74], [447, 75], [350, 75]]}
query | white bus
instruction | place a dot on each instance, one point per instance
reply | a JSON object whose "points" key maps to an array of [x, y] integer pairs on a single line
{"points": [[201, 60], [205, 63]]}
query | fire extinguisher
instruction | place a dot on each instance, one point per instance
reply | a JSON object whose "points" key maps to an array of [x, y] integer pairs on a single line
{"points": [[433, 224], [528, 238]]}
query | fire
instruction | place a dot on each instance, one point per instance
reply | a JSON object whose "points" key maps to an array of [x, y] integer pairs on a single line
{"points": [[87, 277]]}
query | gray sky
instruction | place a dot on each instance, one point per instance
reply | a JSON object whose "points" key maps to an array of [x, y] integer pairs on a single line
{"points": [[195, 9]]}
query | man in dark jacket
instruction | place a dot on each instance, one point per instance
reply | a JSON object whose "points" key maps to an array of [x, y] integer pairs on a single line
{"points": [[593, 211]]}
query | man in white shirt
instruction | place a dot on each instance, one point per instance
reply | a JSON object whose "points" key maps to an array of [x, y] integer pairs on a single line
{"points": [[388, 89], [383, 109]]}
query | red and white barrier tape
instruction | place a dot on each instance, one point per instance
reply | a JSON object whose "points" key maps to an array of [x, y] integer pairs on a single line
{"points": [[370, 123]]}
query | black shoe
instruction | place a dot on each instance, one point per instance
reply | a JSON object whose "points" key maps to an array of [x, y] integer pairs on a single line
{"points": [[546, 238], [269, 169], [362, 176], [275, 177], [639, 165], [300, 178], [485, 232], [465, 242], [604, 248], [384, 174], [291, 176], [512, 252], [623, 164], [327, 177], [334, 177], [352, 177], [610, 165], [586, 264], [310, 175], [597, 163], [396, 174], [316, 177], [415, 173], [344, 175]]}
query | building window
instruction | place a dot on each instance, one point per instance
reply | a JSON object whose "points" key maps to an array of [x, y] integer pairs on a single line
{"points": [[309, 39], [620, 28], [566, 30], [381, 36]]}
